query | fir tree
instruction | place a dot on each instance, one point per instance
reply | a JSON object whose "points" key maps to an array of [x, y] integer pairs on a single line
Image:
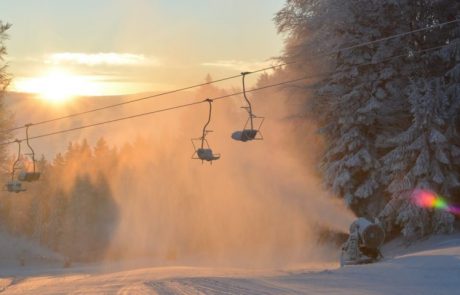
{"points": [[5, 78], [351, 102], [388, 111], [423, 155]]}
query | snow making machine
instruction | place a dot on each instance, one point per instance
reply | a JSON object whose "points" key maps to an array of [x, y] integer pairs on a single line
{"points": [[363, 244]]}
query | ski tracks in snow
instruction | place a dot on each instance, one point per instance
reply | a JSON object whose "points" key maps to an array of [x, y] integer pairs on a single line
{"points": [[218, 286]]}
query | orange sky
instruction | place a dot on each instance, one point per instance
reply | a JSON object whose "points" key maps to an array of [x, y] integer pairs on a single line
{"points": [[108, 47]]}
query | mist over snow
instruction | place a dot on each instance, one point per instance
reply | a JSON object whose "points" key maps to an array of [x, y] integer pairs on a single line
{"points": [[138, 194]]}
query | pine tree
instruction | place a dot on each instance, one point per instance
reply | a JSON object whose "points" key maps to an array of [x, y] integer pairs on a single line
{"points": [[208, 90], [351, 102], [105, 158], [5, 78], [388, 111], [423, 156]]}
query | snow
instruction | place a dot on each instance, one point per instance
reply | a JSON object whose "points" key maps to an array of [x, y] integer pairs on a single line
{"points": [[17, 250], [431, 266]]}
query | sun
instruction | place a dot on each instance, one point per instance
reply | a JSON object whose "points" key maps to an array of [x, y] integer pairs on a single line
{"points": [[59, 86]]}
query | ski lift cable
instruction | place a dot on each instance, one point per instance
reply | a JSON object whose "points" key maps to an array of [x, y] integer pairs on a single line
{"points": [[325, 74], [236, 76], [155, 111], [144, 98]]}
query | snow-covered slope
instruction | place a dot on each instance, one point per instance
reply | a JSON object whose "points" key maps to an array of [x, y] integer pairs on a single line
{"points": [[19, 251], [428, 267]]}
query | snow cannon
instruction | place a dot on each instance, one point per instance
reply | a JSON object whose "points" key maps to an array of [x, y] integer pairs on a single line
{"points": [[371, 234], [364, 242]]}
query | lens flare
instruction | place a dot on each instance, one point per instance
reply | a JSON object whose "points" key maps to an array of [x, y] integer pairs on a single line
{"points": [[429, 199]]}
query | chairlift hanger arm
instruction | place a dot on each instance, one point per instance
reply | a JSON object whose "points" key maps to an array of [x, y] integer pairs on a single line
{"points": [[203, 137], [209, 116], [17, 160], [28, 144], [251, 115]]}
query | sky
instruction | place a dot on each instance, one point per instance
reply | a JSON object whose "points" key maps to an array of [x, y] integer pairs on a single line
{"points": [[107, 47]]}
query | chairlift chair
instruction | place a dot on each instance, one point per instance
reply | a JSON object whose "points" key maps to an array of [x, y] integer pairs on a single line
{"points": [[204, 152], [15, 186], [251, 129], [249, 132], [27, 175]]}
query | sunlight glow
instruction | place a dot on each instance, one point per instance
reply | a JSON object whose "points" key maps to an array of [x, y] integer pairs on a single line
{"points": [[107, 58], [58, 86]]}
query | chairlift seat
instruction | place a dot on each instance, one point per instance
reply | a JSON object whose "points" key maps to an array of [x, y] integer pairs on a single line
{"points": [[29, 176], [245, 135], [206, 154], [14, 186]]}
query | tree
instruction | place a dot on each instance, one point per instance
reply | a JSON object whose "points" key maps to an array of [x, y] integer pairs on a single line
{"points": [[5, 119], [424, 155], [352, 98], [208, 90], [4, 76], [105, 158], [89, 219], [369, 101], [5, 207]]}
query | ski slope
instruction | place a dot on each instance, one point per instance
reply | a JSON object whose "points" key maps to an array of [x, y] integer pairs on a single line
{"points": [[428, 267]]}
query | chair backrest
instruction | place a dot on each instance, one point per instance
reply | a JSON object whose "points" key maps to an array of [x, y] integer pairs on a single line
{"points": [[14, 186], [29, 176], [245, 135], [249, 134], [205, 154]]}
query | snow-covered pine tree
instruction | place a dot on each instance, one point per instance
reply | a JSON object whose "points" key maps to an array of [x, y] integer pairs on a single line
{"points": [[5, 78], [353, 101], [425, 154]]}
